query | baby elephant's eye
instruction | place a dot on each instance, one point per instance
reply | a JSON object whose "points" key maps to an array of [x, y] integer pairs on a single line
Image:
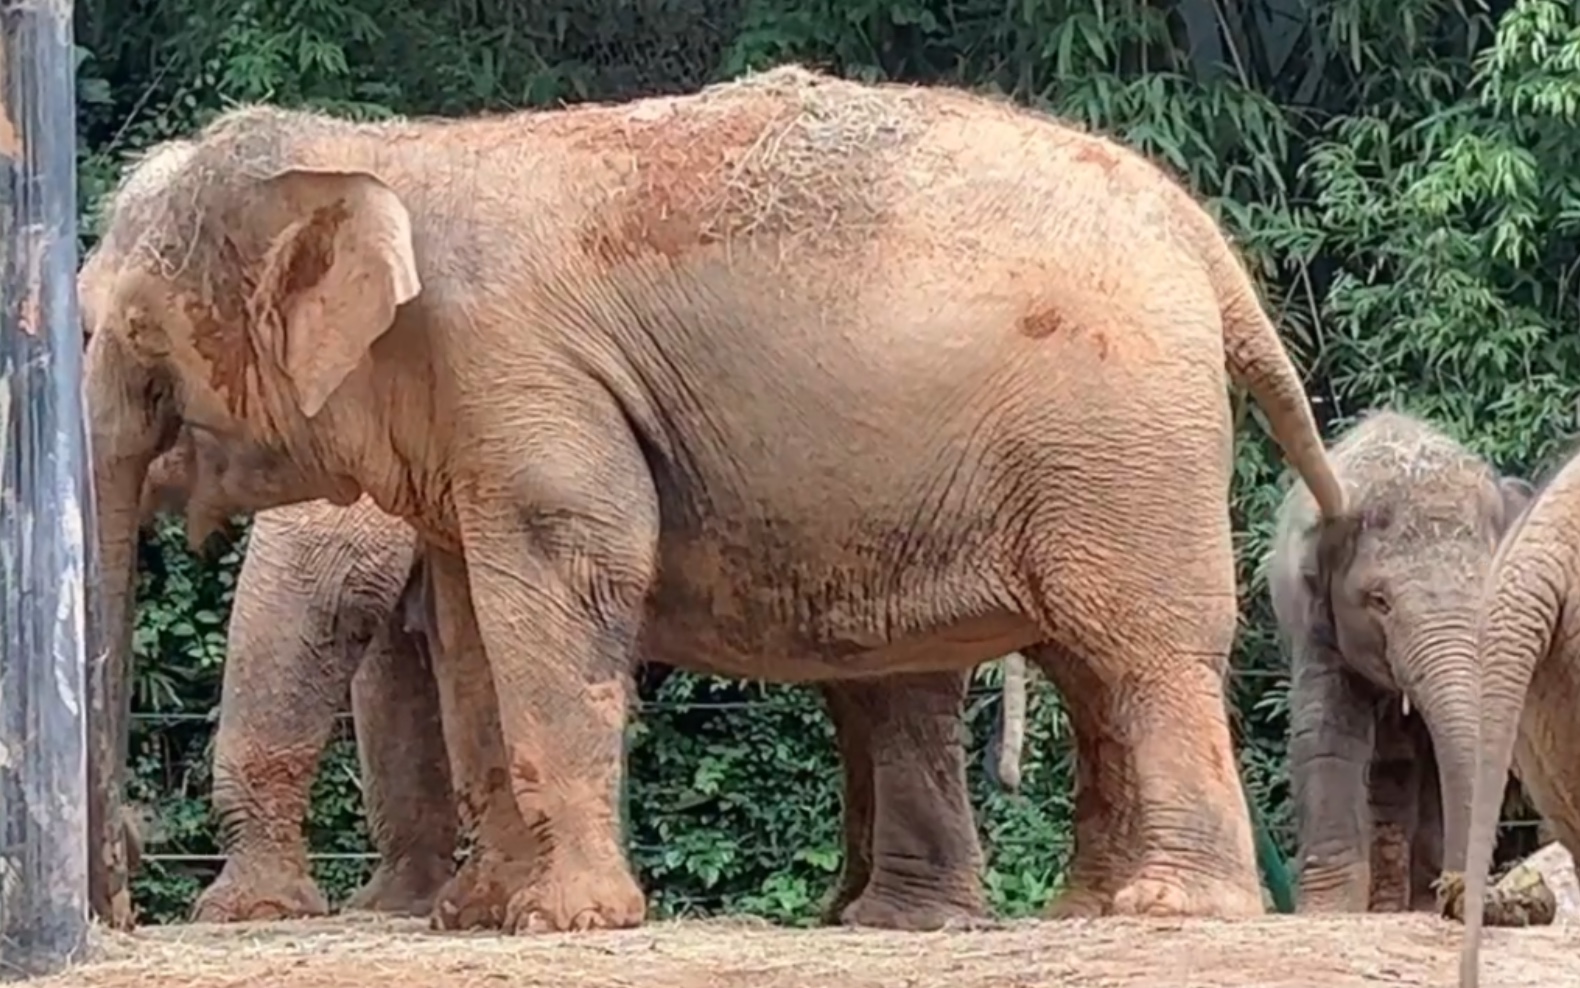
{"points": [[1377, 601]]}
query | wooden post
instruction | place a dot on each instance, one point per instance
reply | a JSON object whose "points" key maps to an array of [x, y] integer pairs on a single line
{"points": [[44, 510]]}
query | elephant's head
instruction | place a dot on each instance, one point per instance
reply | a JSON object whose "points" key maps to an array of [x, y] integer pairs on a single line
{"points": [[1393, 585], [251, 274], [210, 480]]}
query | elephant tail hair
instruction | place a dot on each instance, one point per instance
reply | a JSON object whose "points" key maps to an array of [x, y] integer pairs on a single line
{"points": [[1257, 360]]}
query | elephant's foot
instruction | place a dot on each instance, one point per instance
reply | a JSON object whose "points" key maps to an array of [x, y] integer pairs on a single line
{"points": [[568, 897], [475, 897], [851, 885], [404, 886], [1166, 892], [252, 891], [1079, 902], [1333, 888], [1099, 863], [493, 892], [892, 909]]}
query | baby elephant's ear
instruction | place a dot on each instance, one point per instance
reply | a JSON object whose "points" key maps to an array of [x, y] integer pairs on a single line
{"points": [[1330, 548], [334, 277], [1517, 495]]}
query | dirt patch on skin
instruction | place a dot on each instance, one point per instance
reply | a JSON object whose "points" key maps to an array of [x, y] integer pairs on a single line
{"points": [[1274, 952], [783, 153]]}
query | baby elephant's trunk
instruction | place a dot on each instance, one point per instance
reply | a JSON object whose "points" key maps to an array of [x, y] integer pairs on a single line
{"points": [[1441, 675]]}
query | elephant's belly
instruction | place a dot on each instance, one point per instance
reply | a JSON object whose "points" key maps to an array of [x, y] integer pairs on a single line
{"points": [[757, 611], [790, 655]]}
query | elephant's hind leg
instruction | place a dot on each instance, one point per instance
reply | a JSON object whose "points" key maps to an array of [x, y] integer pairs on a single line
{"points": [[1106, 838], [405, 776], [853, 734], [907, 799], [1148, 616]]}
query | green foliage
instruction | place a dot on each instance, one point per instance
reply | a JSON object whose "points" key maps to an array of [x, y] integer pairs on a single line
{"points": [[1402, 175]]}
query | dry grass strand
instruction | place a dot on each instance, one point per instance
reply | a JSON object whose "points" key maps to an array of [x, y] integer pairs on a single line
{"points": [[1409, 950], [818, 165]]}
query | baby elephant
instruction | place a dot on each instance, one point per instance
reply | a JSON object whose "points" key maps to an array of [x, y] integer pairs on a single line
{"points": [[310, 625], [1377, 609]]}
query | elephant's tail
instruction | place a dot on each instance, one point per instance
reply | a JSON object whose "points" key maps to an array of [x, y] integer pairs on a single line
{"points": [[1005, 763], [1257, 360]]}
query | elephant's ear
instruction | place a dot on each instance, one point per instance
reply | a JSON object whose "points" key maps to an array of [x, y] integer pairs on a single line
{"points": [[1330, 548], [1517, 495], [334, 277]]}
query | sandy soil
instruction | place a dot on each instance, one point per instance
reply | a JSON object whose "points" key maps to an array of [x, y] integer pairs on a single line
{"points": [[1275, 952]]}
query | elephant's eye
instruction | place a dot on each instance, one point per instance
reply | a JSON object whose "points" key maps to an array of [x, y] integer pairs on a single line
{"points": [[1377, 601]]}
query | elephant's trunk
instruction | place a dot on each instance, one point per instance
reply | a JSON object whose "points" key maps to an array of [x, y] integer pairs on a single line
{"points": [[118, 486], [1441, 675], [1001, 758], [1519, 611], [126, 431]]}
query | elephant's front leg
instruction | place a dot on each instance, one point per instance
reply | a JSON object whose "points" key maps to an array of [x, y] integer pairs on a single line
{"points": [[1330, 749], [1395, 788], [286, 675], [503, 851], [405, 775], [913, 860], [560, 565]]}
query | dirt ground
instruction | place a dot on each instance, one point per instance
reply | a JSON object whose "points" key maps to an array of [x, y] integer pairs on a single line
{"points": [[1276, 952]]}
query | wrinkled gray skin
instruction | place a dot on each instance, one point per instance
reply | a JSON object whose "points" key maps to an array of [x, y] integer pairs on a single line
{"points": [[1377, 610], [311, 622], [331, 598], [1530, 650]]}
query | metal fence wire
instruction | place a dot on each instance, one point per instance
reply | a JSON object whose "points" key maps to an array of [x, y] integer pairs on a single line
{"points": [[215, 860]]}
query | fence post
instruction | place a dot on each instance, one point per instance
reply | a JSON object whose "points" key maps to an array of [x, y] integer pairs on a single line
{"points": [[43, 492]]}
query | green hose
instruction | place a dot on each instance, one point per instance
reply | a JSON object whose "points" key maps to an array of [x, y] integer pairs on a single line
{"points": [[1275, 873]]}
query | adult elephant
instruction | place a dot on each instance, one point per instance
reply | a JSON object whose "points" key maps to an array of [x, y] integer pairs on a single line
{"points": [[1530, 652], [328, 601], [1377, 611], [793, 379]]}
